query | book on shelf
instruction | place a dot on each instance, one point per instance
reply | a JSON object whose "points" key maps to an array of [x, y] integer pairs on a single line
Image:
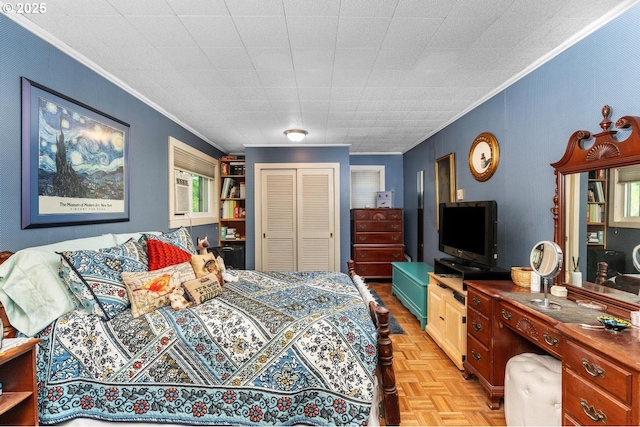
{"points": [[243, 191], [596, 192], [223, 232], [230, 188]]}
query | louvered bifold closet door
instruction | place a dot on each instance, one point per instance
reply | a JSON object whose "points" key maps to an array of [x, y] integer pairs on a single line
{"points": [[316, 220], [279, 220]]}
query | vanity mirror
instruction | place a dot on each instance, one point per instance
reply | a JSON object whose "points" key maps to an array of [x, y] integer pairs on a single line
{"points": [[546, 261], [597, 163]]}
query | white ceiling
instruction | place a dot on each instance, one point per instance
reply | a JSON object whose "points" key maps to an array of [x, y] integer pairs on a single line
{"points": [[379, 75]]}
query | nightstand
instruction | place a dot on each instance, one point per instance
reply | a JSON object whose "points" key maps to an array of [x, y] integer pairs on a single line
{"points": [[19, 399]]}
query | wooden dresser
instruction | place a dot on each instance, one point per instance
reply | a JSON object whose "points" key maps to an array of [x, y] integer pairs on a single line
{"points": [[601, 370], [376, 241]]}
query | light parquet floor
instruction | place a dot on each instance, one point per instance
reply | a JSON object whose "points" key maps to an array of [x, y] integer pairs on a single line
{"points": [[431, 388]]}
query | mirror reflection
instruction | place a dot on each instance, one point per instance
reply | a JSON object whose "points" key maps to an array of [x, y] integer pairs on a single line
{"points": [[602, 210]]}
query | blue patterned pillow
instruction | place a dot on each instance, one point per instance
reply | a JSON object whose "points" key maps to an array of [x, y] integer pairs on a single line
{"points": [[180, 238], [131, 248], [95, 280]]}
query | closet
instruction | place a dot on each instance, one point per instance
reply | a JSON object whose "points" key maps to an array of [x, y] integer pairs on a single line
{"points": [[297, 216]]}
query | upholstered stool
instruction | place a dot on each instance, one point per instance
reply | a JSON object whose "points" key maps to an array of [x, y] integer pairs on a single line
{"points": [[533, 390]]}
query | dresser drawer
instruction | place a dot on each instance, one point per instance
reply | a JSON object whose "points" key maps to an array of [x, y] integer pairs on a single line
{"points": [[377, 214], [373, 269], [478, 356], [479, 302], [373, 226], [377, 238], [479, 326], [381, 253], [535, 330], [598, 370], [585, 403]]}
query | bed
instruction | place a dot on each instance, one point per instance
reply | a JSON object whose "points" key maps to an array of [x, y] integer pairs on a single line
{"points": [[273, 348]]}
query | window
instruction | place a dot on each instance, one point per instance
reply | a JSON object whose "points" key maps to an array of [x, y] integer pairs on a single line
{"points": [[366, 181], [625, 189], [192, 177]]}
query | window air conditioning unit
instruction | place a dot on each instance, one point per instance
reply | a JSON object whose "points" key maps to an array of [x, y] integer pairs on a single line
{"points": [[181, 205]]}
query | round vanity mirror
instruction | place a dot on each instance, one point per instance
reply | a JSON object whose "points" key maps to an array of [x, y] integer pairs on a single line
{"points": [[546, 261]]}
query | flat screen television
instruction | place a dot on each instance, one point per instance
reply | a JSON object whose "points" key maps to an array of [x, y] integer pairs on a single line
{"points": [[468, 232]]}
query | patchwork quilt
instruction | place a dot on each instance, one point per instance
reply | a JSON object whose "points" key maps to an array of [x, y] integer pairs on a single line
{"points": [[273, 348]]}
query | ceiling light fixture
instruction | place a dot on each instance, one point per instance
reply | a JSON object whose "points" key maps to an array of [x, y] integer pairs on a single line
{"points": [[295, 135]]}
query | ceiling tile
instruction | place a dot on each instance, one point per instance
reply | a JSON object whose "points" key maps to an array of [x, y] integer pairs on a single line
{"points": [[227, 58], [369, 8], [271, 58], [255, 7], [312, 8], [162, 31], [199, 7], [313, 32], [263, 31], [361, 32], [212, 31]]}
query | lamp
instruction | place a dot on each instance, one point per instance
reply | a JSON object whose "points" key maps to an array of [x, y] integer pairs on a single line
{"points": [[295, 135]]}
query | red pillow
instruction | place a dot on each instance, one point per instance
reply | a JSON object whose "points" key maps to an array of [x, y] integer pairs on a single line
{"points": [[163, 254]]}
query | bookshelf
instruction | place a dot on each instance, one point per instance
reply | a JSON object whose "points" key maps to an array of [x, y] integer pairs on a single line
{"points": [[597, 208], [231, 225]]}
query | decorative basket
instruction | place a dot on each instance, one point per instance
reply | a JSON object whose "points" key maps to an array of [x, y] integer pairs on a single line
{"points": [[521, 276]]}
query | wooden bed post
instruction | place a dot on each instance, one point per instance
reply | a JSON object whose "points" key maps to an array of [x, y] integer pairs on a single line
{"points": [[386, 374]]}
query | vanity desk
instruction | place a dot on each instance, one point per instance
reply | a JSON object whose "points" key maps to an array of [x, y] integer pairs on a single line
{"points": [[601, 369]]}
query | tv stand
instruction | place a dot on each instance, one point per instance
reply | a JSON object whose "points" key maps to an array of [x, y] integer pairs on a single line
{"points": [[453, 267]]}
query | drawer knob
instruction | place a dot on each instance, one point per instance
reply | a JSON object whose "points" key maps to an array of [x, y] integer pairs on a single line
{"points": [[397, 255], [476, 301], [395, 226], [476, 355], [477, 326], [592, 369], [506, 315], [552, 341], [590, 411]]}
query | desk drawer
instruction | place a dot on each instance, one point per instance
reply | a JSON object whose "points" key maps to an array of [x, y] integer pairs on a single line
{"points": [[479, 302], [533, 329], [598, 370], [479, 357], [479, 326], [377, 238], [588, 405]]}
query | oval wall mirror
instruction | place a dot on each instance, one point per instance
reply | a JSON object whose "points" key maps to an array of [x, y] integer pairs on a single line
{"points": [[546, 261]]}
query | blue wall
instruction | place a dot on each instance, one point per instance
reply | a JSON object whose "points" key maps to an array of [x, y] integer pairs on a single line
{"points": [[24, 54], [532, 121]]}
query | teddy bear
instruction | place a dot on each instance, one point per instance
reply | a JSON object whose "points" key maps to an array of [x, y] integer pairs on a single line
{"points": [[177, 298]]}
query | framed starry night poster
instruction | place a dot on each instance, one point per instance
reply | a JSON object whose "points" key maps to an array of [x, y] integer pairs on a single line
{"points": [[74, 161]]}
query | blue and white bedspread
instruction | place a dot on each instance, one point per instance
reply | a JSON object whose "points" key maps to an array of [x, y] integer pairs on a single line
{"points": [[273, 348]]}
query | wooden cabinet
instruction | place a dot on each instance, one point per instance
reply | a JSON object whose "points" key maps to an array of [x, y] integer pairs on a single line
{"points": [[231, 225], [447, 316], [600, 376], [377, 241], [19, 399]]}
